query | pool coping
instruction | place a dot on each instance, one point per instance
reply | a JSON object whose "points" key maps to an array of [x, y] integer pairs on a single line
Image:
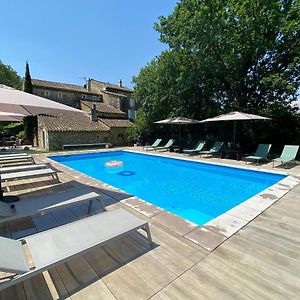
{"points": [[213, 233]]}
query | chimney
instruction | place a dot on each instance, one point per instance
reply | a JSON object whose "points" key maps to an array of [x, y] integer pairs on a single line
{"points": [[94, 117], [120, 83], [88, 84]]}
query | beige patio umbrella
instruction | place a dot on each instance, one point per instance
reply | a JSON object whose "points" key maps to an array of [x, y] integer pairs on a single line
{"points": [[235, 116], [178, 121], [9, 116], [19, 102]]}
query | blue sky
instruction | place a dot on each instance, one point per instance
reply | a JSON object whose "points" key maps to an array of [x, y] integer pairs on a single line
{"points": [[66, 40]]}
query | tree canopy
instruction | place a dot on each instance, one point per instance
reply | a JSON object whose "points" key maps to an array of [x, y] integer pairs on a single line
{"points": [[9, 76], [224, 55]]}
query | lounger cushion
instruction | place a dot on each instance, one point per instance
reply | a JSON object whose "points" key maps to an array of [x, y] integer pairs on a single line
{"points": [[12, 258], [62, 243]]}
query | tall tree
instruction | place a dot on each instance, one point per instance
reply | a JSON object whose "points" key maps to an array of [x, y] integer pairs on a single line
{"points": [[225, 55], [27, 80], [248, 50], [9, 76], [30, 121]]}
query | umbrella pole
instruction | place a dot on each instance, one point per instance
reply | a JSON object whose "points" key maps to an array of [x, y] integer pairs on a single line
{"points": [[234, 133], [179, 133]]}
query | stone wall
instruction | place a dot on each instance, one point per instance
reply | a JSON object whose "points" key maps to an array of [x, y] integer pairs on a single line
{"points": [[51, 141], [65, 97], [58, 139]]}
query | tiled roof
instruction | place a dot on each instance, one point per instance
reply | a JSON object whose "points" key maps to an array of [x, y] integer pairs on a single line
{"points": [[114, 86], [60, 86], [114, 94], [117, 123], [69, 121], [101, 107]]}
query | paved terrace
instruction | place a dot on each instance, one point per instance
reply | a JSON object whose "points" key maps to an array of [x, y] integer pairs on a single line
{"points": [[260, 261]]}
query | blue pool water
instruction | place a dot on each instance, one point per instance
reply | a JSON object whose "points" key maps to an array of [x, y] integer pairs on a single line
{"points": [[195, 191]]}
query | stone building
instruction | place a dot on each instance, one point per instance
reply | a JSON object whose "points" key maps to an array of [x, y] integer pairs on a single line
{"points": [[69, 94], [78, 128], [114, 95], [109, 109]]}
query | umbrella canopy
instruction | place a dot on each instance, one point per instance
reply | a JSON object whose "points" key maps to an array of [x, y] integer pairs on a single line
{"points": [[16, 101], [9, 116], [178, 121], [235, 116]]}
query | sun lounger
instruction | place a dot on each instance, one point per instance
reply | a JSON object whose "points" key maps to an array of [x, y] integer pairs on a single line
{"points": [[29, 174], [13, 154], [22, 168], [288, 154], [261, 153], [40, 204], [197, 149], [166, 146], [4, 158], [58, 245], [216, 148], [153, 146]]}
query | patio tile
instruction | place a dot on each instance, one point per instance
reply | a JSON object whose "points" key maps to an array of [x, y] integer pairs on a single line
{"points": [[244, 212], [258, 202], [205, 238], [143, 207], [177, 224], [226, 225]]}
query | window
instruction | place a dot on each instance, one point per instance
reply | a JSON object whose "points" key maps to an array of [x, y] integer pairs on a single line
{"points": [[46, 93], [59, 95], [131, 114], [131, 102], [94, 98], [83, 96]]}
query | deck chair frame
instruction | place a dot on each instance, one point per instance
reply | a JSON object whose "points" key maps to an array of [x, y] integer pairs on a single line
{"points": [[119, 213]]}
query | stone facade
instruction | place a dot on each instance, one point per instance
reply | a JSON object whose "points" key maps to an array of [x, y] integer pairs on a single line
{"points": [[57, 139], [114, 95], [51, 141]]}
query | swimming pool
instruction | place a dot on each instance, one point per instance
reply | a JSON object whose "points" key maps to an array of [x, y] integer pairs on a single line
{"points": [[196, 191]]}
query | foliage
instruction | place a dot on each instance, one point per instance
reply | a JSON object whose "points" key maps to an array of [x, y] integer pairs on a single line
{"points": [[12, 127], [9, 76], [30, 121], [27, 80], [225, 55], [21, 135]]}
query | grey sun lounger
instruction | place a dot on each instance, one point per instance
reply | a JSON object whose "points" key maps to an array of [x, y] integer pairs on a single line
{"points": [[197, 149], [216, 148], [22, 168], [58, 245], [40, 204], [261, 153], [288, 154], [29, 174], [153, 146], [166, 146]]}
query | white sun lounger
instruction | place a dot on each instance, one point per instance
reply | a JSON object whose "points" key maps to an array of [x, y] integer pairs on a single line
{"points": [[29, 174], [58, 245], [13, 155], [40, 204], [16, 158], [22, 168]]}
